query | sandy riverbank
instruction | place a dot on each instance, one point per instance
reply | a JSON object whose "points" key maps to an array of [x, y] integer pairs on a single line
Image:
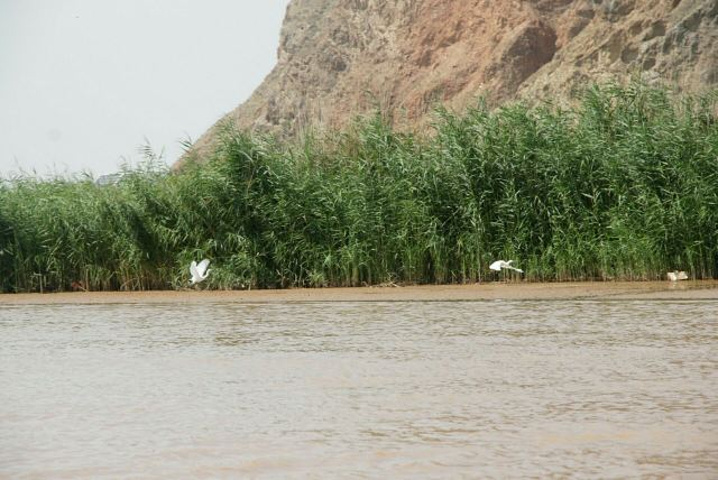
{"points": [[688, 290]]}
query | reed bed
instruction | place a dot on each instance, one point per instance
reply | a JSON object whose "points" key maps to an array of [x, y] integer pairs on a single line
{"points": [[624, 185]]}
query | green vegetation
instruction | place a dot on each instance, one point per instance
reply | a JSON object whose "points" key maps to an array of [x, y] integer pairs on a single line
{"points": [[622, 186]]}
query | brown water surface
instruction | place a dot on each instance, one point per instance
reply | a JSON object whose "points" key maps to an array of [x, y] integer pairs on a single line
{"points": [[597, 388]]}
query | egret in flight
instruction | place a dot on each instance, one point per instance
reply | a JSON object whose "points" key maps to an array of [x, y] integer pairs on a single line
{"points": [[502, 264], [198, 272]]}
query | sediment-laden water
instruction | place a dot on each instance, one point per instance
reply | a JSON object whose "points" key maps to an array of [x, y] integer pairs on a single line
{"points": [[489, 389]]}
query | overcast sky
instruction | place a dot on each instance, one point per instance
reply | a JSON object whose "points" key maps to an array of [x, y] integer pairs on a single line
{"points": [[84, 82]]}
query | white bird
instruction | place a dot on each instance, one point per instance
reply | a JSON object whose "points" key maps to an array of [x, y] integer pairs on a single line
{"points": [[499, 264], [198, 272], [677, 275]]}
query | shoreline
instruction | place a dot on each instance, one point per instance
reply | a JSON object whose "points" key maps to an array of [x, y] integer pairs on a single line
{"points": [[654, 290]]}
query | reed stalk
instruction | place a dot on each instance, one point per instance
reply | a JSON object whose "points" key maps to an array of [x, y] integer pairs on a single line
{"points": [[624, 185]]}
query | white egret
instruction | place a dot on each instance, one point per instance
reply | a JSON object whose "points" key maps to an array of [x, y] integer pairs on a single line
{"points": [[677, 275], [198, 272], [499, 264]]}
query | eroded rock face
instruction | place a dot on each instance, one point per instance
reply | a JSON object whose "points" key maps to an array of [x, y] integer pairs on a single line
{"points": [[339, 58], [669, 41]]}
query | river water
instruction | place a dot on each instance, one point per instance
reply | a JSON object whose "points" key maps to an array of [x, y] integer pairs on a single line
{"points": [[487, 389]]}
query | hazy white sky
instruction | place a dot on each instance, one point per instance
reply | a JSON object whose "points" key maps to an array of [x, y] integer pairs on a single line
{"points": [[83, 82]]}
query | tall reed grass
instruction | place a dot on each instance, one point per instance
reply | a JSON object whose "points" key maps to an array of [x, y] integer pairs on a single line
{"points": [[622, 186]]}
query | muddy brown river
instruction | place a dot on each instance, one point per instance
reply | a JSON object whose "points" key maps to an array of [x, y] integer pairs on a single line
{"points": [[558, 388]]}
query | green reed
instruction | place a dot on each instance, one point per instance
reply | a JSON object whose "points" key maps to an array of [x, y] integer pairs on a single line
{"points": [[624, 185]]}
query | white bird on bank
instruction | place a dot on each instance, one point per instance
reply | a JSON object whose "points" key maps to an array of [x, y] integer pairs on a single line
{"points": [[499, 264], [677, 275], [198, 272]]}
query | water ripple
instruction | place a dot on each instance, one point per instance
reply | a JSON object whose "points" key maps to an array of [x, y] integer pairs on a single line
{"points": [[493, 389]]}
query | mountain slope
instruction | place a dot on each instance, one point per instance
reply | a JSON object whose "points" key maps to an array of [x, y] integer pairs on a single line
{"points": [[339, 58]]}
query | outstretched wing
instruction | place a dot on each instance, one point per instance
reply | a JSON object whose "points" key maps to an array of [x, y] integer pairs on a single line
{"points": [[193, 269], [511, 267], [202, 267]]}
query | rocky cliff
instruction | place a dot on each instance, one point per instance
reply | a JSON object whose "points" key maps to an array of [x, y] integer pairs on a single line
{"points": [[339, 58]]}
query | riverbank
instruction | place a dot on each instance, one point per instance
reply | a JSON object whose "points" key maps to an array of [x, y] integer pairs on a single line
{"points": [[688, 290], [568, 194]]}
